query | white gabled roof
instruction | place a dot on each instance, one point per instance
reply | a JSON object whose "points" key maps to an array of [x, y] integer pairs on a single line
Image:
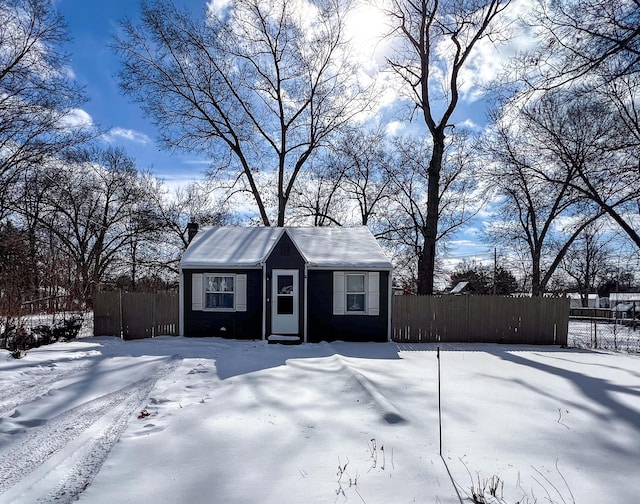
{"points": [[321, 247], [339, 247], [230, 247]]}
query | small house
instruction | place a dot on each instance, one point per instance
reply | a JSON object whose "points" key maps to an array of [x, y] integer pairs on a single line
{"points": [[593, 301], [299, 283]]}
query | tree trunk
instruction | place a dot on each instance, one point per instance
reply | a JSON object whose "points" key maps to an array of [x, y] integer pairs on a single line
{"points": [[536, 287], [427, 260], [282, 209]]}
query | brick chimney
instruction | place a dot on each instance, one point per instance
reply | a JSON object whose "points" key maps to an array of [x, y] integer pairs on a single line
{"points": [[192, 230]]}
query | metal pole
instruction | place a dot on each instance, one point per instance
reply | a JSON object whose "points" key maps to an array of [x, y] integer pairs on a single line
{"points": [[495, 269], [439, 403]]}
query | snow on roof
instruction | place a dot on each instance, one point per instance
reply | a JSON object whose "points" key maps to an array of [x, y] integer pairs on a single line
{"points": [[230, 247], [619, 297], [321, 247], [339, 247]]}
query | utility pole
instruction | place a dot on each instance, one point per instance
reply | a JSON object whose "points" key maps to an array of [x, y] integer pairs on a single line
{"points": [[495, 269]]}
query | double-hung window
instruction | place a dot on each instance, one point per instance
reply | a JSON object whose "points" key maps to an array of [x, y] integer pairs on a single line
{"points": [[355, 292], [219, 292]]}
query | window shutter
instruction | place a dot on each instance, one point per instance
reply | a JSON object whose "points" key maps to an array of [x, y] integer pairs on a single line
{"points": [[373, 293], [338, 293], [196, 292], [241, 292]]}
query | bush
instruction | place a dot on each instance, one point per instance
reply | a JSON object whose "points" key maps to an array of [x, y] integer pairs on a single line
{"points": [[43, 334], [15, 338], [69, 329]]}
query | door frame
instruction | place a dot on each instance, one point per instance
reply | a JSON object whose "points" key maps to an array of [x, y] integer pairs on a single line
{"points": [[285, 324]]}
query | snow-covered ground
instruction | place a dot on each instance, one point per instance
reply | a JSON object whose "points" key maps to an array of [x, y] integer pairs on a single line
{"points": [[175, 420]]}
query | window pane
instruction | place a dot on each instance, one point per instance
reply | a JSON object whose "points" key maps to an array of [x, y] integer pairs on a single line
{"points": [[224, 284], [285, 305], [355, 302], [226, 300], [285, 284], [219, 284], [219, 300], [355, 283]]}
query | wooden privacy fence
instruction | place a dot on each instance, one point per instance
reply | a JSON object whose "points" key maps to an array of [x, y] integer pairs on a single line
{"points": [[480, 319], [415, 319], [135, 315]]}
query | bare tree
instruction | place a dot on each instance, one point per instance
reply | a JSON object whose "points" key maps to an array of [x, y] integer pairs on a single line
{"points": [[587, 138], [366, 158], [587, 261], [318, 193], [540, 211], [171, 212], [37, 96], [484, 279], [439, 37], [14, 285], [458, 196], [90, 209], [351, 183], [257, 85], [583, 39]]}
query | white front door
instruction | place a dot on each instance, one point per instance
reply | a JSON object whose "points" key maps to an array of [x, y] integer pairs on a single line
{"points": [[284, 302]]}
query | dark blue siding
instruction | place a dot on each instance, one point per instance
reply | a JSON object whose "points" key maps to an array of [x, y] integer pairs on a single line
{"points": [[241, 325], [325, 326]]}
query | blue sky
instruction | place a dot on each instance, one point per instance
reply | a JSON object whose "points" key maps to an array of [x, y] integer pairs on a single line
{"points": [[92, 25]]}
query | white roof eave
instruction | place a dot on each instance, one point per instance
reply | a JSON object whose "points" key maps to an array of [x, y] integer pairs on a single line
{"points": [[209, 265], [351, 267]]}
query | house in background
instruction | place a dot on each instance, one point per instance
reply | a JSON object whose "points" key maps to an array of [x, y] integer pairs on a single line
{"points": [[593, 301], [309, 284], [625, 304]]}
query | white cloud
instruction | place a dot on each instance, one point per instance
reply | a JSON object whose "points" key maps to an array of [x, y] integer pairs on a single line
{"points": [[127, 134], [491, 55], [367, 27], [471, 125], [395, 127], [216, 6], [77, 119]]}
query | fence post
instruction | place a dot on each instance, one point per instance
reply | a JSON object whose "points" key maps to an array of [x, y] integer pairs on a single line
{"points": [[121, 321], [153, 314]]}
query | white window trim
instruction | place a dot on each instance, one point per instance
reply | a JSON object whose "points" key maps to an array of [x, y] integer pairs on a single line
{"points": [[371, 293], [205, 278], [199, 294], [364, 292]]}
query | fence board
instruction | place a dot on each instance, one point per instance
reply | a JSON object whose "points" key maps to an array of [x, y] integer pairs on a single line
{"points": [[487, 319], [106, 314], [136, 315], [415, 319], [167, 306]]}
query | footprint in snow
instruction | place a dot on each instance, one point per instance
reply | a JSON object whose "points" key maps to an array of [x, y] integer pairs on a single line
{"points": [[153, 400], [149, 428], [198, 371]]}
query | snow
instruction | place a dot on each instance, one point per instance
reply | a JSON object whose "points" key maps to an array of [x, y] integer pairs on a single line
{"points": [[339, 247], [230, 247], [171, 419], [321, 247]]}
